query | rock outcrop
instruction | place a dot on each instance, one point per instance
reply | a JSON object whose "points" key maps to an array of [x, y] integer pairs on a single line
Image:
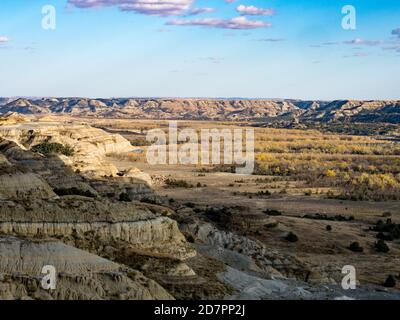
{"points": [[89, 145], [157, 237], [59, 199], [24, 185], [79, 274]]}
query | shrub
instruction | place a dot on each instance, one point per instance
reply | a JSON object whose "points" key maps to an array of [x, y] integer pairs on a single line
{"points": [[216, 214], [48, 148], [387, 230], [171, 183], [272, 212], [264, 193], [381, 246], [190, 238], [189, 204], [271, 225], [330, 173], [319, 216], [124, 197], [74, 191], [355, 247], [139, 142], [390, 282], [384, 236], [291, 237], [329, 227], [148, 200]]}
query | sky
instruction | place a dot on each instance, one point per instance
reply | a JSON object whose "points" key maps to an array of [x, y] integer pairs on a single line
{"points": [[294, 49]]}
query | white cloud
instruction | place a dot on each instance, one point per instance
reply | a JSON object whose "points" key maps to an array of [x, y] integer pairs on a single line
{"points": [[235, 23], [254, 11], [196, 11], [4, 39], [359, 41], [149, 7], [271, 40]]}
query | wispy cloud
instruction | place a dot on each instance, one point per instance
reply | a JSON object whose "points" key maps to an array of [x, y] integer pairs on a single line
{"points": [[254, 11], [330, 43], [215, 60], [355, 42], [196, 11], [238, 23], [163, 30], [359, 41], [4, 39], [271, 40], [149, 7], [356, 55]]}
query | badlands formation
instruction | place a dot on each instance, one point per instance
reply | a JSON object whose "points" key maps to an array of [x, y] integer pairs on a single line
{"points": [[110, 236], [53, 204], [282, 112]]}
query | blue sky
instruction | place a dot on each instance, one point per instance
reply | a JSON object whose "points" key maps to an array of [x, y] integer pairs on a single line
{"points": [[203, 48]]}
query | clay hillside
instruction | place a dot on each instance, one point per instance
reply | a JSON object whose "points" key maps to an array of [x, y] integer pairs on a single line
{"points": [[271, 111]]}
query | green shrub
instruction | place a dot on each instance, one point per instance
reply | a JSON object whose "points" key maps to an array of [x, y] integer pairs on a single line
{"points": [[381, 246], [387, 230], [271, 225], [291, 237], [390, 282], [190, 238], [74, 191], [48, 148], [171, 183], [140, 142], [264, 193], [355, 247], [189, 204], [124, 197], [338, 217], [148, 200], [384, 236], [272, 212]]}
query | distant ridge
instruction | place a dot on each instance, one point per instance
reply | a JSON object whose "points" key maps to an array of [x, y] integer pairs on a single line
{"points": [[286, 111]]}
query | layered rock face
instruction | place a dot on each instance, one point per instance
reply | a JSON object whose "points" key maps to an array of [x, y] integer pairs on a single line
{"points": [[24, 185], [74, 198], [79, 274], [292, 111], [13, 118], [152, 108], [230, 246], [89, 145], [89, 148], [156, 237], [31, 207]]}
